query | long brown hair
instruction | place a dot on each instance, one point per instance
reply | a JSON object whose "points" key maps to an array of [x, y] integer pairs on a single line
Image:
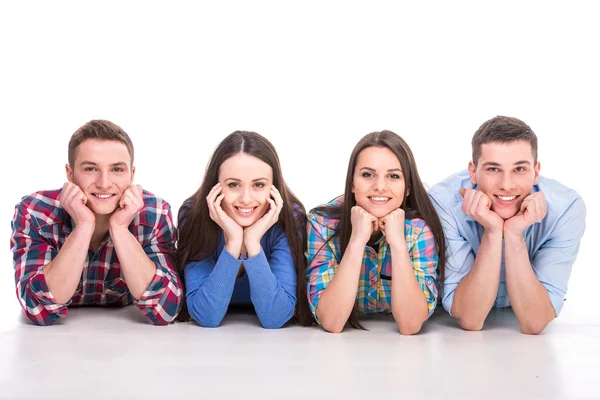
{"points": [[199, 234], [415, 205]]}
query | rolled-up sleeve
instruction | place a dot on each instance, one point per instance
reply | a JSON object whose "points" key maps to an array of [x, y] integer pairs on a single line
{"points": [[161, 302], [553, 262], [322, 263], [460, 255], [31, 252], [424, 259]]}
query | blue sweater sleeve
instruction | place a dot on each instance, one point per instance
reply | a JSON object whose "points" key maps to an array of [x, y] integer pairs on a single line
{"points": [[273, 282], [209, 285]]}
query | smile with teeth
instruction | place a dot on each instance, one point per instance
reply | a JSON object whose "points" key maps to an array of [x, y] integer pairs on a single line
{"points": [[103, 196], [379, 199], [245, 210], [506, 198]]}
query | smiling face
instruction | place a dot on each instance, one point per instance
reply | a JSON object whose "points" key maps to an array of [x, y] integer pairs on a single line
{"points": [[506, 173], [246, 182], [378, 183], [103, 171]]}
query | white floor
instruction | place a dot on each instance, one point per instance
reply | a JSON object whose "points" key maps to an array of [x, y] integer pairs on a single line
{"points": [[114, 354]]}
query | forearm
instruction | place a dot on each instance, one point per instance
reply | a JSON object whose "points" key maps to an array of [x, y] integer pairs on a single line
{"points": [[138, 269], [409, 305], [476, 293], [209, 300], [273, 304], [528, 297], [338, 299], [63, 273]]}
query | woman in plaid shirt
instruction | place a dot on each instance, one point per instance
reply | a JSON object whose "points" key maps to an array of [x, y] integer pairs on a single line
{"points": [[383, 227], [241, 237]]}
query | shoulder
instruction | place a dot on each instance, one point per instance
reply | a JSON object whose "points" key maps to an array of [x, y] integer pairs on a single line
{"points": [[184, 210], [155, 210], [447, 192], [417, 227], [324, 224], [43, 208], [558, 196], [560, 200]]}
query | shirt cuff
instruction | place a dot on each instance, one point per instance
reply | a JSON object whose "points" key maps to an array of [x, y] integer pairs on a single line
{"points": [[40, 290]]}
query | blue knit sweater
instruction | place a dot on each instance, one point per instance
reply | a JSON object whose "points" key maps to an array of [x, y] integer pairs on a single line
{"points": [[269, 283]]}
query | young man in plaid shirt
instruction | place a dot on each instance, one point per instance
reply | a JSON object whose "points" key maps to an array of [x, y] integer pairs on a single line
{"points": [[100, 240]]}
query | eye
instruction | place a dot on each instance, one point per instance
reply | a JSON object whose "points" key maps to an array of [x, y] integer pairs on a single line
{"points": [[394, 176], [233, 185], [520, 169], [118, 169], [366, 174], [89, 169], [259, 185], [492, 169]]}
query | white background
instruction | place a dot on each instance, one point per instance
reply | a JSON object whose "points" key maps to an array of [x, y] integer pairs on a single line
{"points": [[313, 77]]}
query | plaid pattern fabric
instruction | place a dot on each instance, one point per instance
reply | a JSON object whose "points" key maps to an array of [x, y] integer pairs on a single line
{"points": [[39, 229], [375, 284]]}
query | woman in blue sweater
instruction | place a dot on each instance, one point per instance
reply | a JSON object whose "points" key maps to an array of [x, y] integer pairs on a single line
{"points": [[241, 238]]}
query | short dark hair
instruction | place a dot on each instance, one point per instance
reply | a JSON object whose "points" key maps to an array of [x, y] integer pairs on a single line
{"points": [[504, 130], [102, 130]]}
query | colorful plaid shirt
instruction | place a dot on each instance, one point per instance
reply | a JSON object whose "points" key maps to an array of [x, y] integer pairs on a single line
{"points": [[39, 230], [374, 292]]}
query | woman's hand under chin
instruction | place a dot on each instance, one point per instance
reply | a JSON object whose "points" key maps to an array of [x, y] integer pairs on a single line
{"points": [[254, 233]]}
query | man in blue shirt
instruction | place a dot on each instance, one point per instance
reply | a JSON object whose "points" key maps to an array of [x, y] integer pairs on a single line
{"points": [[512, 235]]}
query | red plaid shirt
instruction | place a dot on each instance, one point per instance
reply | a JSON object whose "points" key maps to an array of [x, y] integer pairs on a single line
{"points": [[39, 229]]}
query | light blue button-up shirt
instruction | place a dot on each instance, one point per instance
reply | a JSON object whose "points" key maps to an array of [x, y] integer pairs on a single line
{"points": [[552, 243]]}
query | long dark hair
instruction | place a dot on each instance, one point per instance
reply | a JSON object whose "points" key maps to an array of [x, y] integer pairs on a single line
{"points": [[199, 234], [415, 205]]}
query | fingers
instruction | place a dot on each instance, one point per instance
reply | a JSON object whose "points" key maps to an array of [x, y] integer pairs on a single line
{"points": [[534, 206], [277, 196], [214, 192], [475, 203], [483, 204], [133, 197], [72, 194], [276, 203], [211, 200], [218, 210]]}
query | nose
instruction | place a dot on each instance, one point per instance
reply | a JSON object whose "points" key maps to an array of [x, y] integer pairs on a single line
{"points": [[380, 184], [245, 196], [508, 182], [103, 182]]}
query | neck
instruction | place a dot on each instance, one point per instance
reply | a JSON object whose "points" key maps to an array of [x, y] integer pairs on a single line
{"points": [[101, 228], [375, 236]]}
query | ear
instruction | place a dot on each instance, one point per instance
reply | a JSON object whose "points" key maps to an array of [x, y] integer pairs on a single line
{"points": [[472, 172], [536, 170], [132, 174], [69, 172]]}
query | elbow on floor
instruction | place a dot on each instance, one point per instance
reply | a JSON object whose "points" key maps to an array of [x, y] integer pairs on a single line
{"points": [[470, 325], [40, 322], [272, 324], [532, 329], [332, 327], [409, 329]]}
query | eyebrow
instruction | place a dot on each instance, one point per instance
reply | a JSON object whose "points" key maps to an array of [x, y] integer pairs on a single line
{"points": [[495, 164], [373, 170], [239, 180], [93, 164]]}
